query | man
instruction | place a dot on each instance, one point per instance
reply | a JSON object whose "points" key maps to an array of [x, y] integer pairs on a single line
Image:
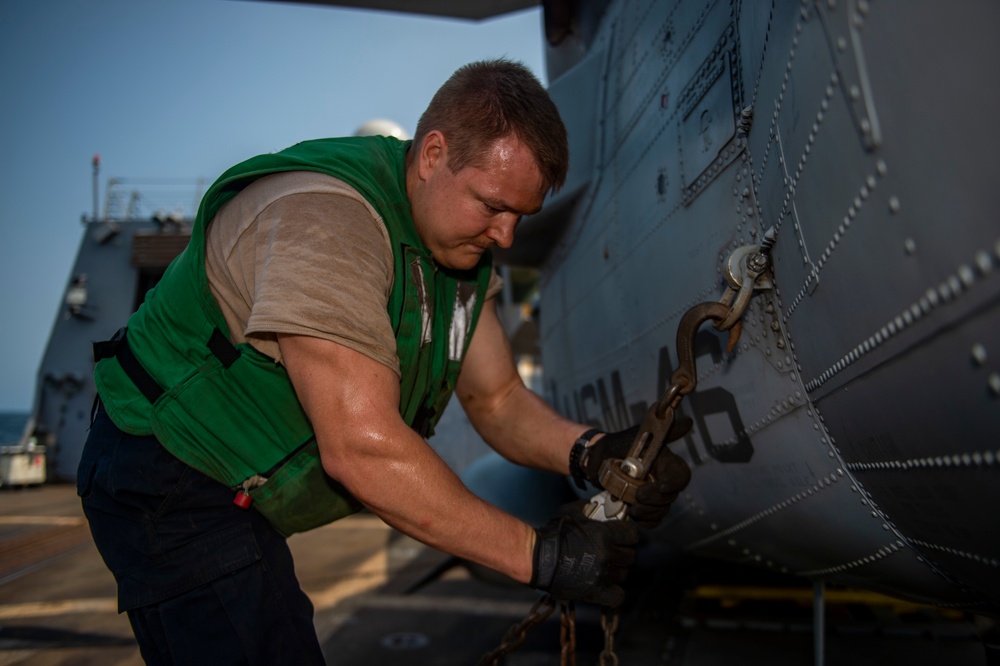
{"points": [[295, 356]]}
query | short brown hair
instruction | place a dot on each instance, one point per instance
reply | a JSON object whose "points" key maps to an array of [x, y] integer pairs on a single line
{"points": [[487, 100]]}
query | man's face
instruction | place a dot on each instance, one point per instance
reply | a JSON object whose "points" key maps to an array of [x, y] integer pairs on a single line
{"points": [[460, 215]]}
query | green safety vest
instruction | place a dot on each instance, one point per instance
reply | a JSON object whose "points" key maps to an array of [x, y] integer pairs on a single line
{"points": [[234, 415]]}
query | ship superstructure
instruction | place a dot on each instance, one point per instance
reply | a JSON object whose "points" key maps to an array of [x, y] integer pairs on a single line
{"points": [[123, 252]]}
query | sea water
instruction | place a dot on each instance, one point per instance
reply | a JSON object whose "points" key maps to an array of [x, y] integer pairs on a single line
{"points": [[12, 427]]}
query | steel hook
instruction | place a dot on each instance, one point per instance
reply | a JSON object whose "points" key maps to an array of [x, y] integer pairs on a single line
{"points": [[686, 374]]}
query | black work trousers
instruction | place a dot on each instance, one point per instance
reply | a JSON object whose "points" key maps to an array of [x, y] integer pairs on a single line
{"points": [[202, 580]]}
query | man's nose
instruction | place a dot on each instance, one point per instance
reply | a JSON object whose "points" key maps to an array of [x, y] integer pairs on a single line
{"points": [[501, 231]]}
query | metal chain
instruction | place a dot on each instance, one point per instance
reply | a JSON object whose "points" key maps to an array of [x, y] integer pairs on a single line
{"points": [[540, 612], [567, 633], [515, 636], [610, 626]]}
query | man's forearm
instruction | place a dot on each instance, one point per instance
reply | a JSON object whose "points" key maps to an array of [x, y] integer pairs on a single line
{"points": [[525, 430], [407, 485]]}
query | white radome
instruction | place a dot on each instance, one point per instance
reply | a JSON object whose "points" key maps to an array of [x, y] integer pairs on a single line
{"points": [[382, 127]]}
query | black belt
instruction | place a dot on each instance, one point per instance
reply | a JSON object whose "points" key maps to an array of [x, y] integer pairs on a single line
{"points": [[119, 348]]}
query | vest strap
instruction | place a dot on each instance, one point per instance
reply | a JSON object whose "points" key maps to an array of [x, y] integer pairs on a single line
{"points": [[118, 347], [222, 348]]}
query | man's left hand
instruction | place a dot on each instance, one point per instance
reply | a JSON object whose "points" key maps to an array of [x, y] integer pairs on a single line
{"points": [[668, 477]]}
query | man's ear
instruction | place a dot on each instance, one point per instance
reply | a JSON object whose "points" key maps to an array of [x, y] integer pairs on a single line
{"points": [[433, 153]]}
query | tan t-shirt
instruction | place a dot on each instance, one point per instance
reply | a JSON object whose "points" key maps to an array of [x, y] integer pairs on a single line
{"points": [[302, 252]]}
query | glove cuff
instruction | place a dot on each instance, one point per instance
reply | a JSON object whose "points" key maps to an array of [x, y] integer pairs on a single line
{"points": [[576, 457], [545, 557]]}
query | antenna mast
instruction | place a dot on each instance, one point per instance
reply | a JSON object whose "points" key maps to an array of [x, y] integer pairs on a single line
{"points": [[96, 162]]}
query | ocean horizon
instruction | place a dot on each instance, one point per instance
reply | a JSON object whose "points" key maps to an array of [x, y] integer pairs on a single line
{"points": [[12, 426]]}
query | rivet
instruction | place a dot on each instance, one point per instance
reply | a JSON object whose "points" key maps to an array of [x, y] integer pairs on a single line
{"points": [[955, 284], [966, 275], [983, 262], [893, 204], [841, 43], [979, 354], [910, 246], [994, 383]]}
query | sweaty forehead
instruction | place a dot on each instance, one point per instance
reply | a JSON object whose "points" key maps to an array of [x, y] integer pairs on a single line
{"points": [[510, 185], [507, 149]]}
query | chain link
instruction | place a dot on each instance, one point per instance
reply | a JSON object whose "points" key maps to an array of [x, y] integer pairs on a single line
{"points": [[567, 633], [515, 636], [609, 623]]}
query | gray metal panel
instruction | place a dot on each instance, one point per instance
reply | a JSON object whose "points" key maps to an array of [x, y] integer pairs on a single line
{"points": [[65, 391], [882, 279], [929, 471]]}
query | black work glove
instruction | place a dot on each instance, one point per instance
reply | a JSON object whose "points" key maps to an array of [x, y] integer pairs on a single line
{"points": [[578, 559], [668, 477]]}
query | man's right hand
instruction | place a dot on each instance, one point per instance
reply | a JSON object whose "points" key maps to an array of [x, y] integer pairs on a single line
{"points": [[577, 559]]}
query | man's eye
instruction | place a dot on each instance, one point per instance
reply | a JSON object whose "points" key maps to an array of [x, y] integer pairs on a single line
{"points": [[491, 210]]}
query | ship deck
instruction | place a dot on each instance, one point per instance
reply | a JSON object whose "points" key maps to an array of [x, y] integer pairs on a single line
{"points": [[383, 598]]}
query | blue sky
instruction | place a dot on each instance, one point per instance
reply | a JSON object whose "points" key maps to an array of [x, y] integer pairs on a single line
{"points": [[186, 88]]}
